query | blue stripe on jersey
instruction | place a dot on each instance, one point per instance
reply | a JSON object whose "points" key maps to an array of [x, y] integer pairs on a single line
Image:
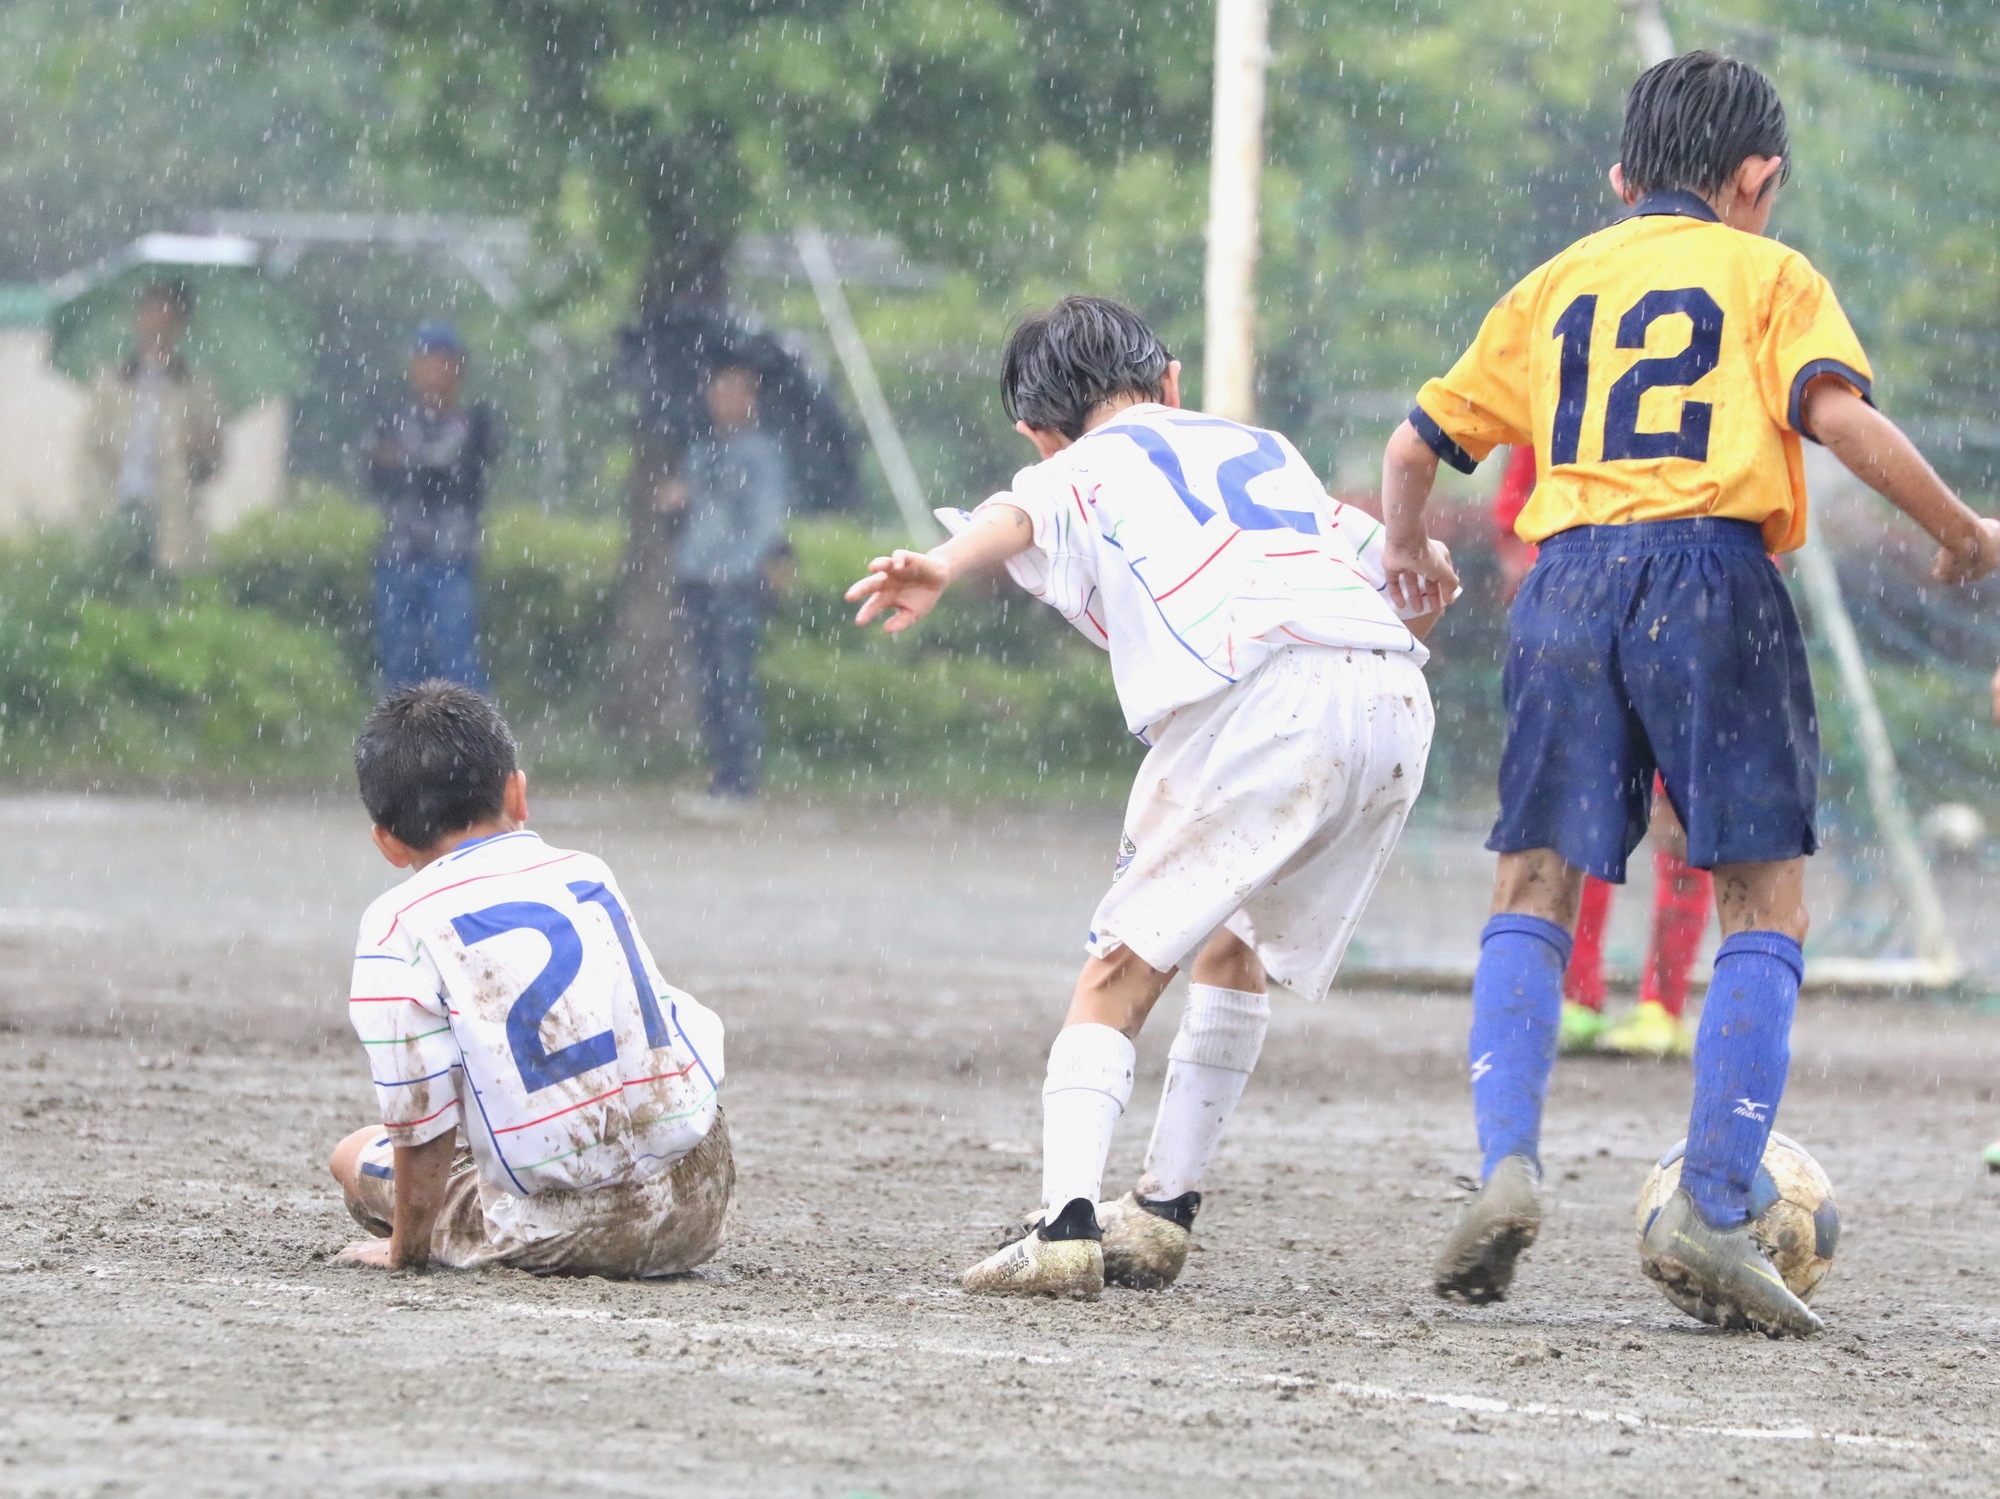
{"points": [[411, 1083]]}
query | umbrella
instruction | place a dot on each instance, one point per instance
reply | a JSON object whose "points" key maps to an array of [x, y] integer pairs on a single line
{"points": [[246, 334]]}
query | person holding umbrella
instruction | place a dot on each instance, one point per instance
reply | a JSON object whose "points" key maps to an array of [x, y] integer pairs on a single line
{"points": [[428, 469], [152, 439]]}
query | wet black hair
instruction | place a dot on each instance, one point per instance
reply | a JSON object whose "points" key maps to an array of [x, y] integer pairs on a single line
{"points": [[1692, 120], [1082, 352], [433, 760]]}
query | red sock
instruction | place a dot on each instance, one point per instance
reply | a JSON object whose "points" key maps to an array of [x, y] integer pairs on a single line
{"points": [[1583, 980], [1682, 899]]}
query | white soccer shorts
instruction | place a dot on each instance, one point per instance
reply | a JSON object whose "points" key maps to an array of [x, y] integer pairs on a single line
{"points": [[1272, 809]]}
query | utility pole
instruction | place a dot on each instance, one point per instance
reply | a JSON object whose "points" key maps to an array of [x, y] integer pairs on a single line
{"points": [[1235, 184]]}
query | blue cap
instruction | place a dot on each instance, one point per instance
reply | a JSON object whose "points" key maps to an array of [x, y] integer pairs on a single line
{"points": [[439, 338]]}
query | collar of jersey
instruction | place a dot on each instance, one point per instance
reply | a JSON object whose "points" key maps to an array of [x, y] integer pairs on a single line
{"points": [[466, 848], [1125, 413], [1673, 201]]}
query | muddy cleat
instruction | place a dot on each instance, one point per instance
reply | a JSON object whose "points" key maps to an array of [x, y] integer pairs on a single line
{"points": [[1719, 1275], [1581, 1026], [1146, 1242], [1991, 1155], [1477, 1261], [1649, 1031], [1062, 1257]]}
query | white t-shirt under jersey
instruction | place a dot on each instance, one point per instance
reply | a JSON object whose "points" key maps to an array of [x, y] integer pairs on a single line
{"points": [[504, 989], [1191, 548]]}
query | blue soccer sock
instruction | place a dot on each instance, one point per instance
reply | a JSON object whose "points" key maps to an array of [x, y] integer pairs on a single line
{"points": [[1741, 1055], [1516, 1009]]}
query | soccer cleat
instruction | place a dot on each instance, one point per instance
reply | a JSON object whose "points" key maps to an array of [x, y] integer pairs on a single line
{"points": [[1649, 1031], [1991, 1155], [1146, 1242], [1721, 1276], [1063, 1256], [1581, 1026], [1477, 1261]]}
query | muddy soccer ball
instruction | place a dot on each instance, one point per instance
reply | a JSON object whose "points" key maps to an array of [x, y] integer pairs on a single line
{"points": [[1793, 1214]]}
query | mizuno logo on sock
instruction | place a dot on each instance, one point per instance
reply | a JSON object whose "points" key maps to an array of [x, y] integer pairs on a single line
{"points": [[1755, 1112], [1483, 1066]]}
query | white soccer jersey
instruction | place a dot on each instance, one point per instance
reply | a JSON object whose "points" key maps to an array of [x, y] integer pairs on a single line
{"points": [[1191, 548], [503, 989]]}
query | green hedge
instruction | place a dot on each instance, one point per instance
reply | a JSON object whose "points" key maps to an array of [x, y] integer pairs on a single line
{"points": [[265, 665]]}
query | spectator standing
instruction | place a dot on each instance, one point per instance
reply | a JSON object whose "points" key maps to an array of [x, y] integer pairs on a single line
{"points": [[152, 439], [734, 497], [428, 469]]}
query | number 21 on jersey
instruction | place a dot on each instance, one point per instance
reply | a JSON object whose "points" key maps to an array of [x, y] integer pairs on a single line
{"points": [[1621, 437]]}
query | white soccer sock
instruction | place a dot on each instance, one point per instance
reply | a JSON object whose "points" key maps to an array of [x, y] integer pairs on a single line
{"points": [[1213, 1055], [1089, 1083]]}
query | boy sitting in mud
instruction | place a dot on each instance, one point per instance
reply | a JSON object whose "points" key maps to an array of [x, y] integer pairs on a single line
{"points": [[505, 1000]]}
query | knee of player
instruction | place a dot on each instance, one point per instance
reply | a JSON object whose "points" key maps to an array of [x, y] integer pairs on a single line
{"points": [[345, 1163]]}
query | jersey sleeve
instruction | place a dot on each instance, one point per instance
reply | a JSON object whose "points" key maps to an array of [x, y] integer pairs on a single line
{"points": [[398, 1008], [1055, 568], [1482, 402], [1808, 335]]}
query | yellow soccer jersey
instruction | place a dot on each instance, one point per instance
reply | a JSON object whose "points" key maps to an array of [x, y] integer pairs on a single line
{"points": [[1657, 366]]}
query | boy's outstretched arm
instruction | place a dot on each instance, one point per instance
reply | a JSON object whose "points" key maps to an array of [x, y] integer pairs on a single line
{"points": [[1419, 570], [1875, 450], [907, 585]]}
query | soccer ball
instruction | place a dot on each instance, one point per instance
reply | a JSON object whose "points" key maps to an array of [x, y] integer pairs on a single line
{"points": [[1793, 1214], [1954, 830]]}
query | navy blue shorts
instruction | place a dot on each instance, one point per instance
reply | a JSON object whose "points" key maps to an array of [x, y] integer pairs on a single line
{"points": [[1668, 645]]}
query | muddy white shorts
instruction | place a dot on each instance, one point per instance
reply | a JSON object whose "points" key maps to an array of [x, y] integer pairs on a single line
{"points": [[1271, 809], [669, 1224]]}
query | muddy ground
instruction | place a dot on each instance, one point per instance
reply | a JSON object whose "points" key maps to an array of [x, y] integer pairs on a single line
{"points": [[175, 1065]]}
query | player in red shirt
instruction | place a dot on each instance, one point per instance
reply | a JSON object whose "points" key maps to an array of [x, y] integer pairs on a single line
{"points": [[1682, 896]]}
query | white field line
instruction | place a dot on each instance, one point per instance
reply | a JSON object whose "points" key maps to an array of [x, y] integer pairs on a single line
{"points": [[1484, 1405], [1631, 1421]]}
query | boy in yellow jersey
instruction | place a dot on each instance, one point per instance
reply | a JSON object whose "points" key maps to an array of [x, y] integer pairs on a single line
{"points": [[1665, 370]]}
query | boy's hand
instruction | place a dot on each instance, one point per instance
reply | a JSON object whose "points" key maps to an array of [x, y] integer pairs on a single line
{"points": [[374, 1254], [904, 585], [1969, 563], [1419, 574]]}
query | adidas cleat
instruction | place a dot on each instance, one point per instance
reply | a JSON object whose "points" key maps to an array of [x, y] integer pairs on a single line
{"points": [[1061, 1257], [1649, 1031], [1477, 1261], [1721, 1276], [1146, 1242], [1579, 1030]]}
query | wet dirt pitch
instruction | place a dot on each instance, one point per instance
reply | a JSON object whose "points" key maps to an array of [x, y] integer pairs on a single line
{"points": [[177, 1065]]}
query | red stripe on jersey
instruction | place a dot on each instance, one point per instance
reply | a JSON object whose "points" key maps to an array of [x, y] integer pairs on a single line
{"points": [[1161, 598], [659, 1077], [413, 1123], [513, 1128]]}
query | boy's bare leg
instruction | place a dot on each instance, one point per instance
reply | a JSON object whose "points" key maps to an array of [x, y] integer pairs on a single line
{"points": [[422, 1174], [1119, 991], [1147, 1232], [1538, 882], [346, 1162]]}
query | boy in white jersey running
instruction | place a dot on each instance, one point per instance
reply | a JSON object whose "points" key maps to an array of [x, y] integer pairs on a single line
{"points": [[505, 999], [1287, 719]]}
